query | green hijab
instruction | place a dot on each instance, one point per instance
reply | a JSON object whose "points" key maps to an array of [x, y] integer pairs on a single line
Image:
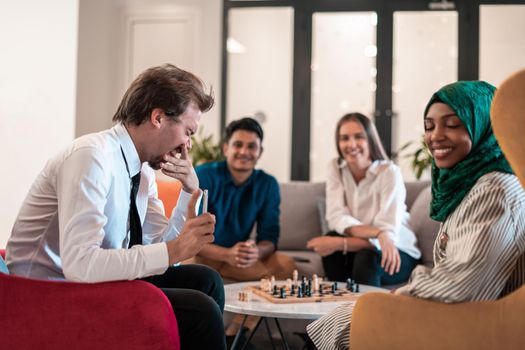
{"points": [[471, 101]]}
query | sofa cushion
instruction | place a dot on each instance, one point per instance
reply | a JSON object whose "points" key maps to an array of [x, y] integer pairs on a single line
{"points": [[308, 262], [321, 208], [299, 214], [425, 228], [414, 188]]}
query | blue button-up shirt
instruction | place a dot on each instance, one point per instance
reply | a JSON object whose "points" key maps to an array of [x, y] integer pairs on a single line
{"points": [[238, 208]]}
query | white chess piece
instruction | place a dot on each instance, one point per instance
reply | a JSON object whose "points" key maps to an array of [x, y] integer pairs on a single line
{"points": [[295, 277], [315, 282], [289, 284]]}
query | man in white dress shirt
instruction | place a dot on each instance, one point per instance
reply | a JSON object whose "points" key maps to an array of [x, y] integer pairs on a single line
{"points": [[98, 197]]}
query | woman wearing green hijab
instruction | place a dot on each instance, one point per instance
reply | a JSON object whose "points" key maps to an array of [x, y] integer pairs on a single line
{"points": [[479, 252]]}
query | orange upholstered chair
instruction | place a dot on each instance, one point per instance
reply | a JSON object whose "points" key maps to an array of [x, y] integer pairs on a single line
{"points": [[169, 194], [386, 321]]}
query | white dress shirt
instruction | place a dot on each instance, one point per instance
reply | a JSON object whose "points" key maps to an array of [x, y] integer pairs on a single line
{"points": [[378, 200], [74, 222]]}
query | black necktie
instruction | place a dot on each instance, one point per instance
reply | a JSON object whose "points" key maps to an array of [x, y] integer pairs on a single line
{"points": [[135, 228]]}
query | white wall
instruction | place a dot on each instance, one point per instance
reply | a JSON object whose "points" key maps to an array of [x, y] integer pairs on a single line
{"points": [[38, 45], [501, 44], [102, 63], [98, 48]]}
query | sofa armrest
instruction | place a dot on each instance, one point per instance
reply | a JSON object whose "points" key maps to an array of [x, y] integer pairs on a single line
{"points": [[64, 315], [387, 321]]}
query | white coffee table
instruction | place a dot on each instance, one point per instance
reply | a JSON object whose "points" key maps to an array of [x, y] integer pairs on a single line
{"points": [[260, 307]]}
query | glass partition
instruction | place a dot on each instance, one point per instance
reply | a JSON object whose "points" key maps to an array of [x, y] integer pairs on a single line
{"points": [[260, 51], [343, 78], [424, 59]]}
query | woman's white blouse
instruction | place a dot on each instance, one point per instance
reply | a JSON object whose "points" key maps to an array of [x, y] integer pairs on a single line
{"points": [[378, 200]]}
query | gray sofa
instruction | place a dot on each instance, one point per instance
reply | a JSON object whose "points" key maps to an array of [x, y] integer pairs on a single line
{"points": [[302, 204]]}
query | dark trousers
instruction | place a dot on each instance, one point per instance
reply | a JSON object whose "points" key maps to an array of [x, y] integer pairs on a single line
{"points": [[196, 294], [364, 267]]}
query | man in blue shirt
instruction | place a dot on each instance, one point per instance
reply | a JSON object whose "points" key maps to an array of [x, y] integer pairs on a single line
{"points": [[240, 197]]}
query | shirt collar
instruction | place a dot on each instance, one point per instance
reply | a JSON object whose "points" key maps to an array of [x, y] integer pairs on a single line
{"points": [[128, 147], [372, 169], [228, 178]]}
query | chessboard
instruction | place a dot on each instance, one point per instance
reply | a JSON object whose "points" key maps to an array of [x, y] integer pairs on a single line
{"points": [[280, 292]]}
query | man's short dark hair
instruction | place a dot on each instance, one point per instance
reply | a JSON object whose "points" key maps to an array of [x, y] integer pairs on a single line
{"points": [[246, 124], [166, 87]]}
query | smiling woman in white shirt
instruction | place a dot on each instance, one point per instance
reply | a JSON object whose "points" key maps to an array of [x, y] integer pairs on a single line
{"points": [[369, 240]]}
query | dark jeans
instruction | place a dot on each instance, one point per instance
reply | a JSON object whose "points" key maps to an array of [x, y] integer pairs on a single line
{"points": [[196, 293], [364, 267]]}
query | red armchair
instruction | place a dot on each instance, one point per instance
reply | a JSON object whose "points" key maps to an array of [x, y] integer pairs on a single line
{"points": [[127, 315]]}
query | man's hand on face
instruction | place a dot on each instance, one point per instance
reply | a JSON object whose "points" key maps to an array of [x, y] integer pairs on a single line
{"points": [[197, 231], [243, 254], [180, 168]]}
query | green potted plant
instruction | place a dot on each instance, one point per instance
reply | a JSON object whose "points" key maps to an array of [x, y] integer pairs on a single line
{"points": [[204, 149], [420, 158]]}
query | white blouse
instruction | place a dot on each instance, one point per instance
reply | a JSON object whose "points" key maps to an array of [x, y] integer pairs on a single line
{"points": [[378, 200]]}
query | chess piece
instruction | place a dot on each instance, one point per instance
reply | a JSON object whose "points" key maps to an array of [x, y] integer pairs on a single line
{"points": [[288, 284], [275, 290], [295, 276], [244, 295], [283, 293], [272, 281], [315, 283], [292, 291], [263, 285], [351, 285]]}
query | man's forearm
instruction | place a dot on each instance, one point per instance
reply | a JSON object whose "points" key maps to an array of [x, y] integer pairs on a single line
{"points": [[266, 248], [214, 252]]}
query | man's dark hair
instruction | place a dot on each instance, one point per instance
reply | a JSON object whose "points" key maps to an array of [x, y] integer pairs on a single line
{"points": [[247, 124], [166, 87]]}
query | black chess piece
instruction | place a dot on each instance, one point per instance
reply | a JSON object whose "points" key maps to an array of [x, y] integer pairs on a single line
{"points": [[292, 291], [334, 288], [275, 290], [350, 284], [299, 292], [283, 293], [357, 288]]}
